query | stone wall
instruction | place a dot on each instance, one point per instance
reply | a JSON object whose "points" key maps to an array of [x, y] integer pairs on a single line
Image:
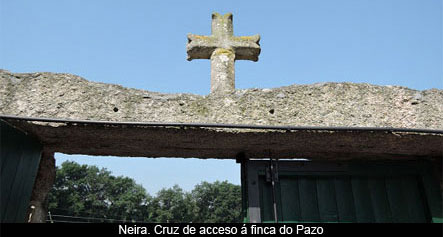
{"points": [[57, 95]]}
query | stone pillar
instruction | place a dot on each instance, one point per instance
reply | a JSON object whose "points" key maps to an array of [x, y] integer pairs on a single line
{"points": [[222, 71], [38, 206]]}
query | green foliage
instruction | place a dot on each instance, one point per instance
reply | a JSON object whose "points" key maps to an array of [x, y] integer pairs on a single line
{"points": [[82, 190], [94, 195], [173, 205], [217, 202]]}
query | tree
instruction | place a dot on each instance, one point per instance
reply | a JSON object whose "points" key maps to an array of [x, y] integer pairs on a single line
{"points": [[84, 193], [218, 202], [92, 193], [172, 205]]}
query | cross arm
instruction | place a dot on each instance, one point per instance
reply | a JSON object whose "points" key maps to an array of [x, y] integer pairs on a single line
{"points": [[246, 47], [200, 46]]}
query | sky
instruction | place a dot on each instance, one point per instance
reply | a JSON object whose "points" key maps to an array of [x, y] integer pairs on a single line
{"points": [[142, 44]]}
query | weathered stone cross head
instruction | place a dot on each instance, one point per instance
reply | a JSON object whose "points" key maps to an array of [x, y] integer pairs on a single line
{"points": [[223, 48]]}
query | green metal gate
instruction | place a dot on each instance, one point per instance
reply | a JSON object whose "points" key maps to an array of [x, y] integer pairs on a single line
{"points": [[346, 192], [19, 159]]}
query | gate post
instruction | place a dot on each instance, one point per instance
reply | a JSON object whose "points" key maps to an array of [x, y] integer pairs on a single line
{"points": [[38, 206]]}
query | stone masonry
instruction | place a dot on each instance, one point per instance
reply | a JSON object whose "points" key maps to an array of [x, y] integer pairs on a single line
{"points": [[59, 95], [223, 48]]}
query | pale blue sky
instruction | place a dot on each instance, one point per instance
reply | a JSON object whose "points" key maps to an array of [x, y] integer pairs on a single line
{"points": [[141, 44]]}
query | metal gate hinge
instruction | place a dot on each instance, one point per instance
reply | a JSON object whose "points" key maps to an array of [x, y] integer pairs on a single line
{"points": [[271, 173]]}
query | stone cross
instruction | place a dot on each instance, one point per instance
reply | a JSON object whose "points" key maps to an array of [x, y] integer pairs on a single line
{"points": [[223, 48]]}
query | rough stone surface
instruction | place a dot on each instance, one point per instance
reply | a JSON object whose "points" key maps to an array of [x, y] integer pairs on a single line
{"points": [[58, 95], [202, 47], [37, 210], [144, 141], [222, 71], [223, 48]]}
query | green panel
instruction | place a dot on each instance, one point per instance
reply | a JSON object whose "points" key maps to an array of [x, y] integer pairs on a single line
{"points": [[10, 163], [32, 156], [345, 199], [362, 199], [308, 199], [397, 200], [380, 202], [267, 209], [290, 198], [414, 200], [327, 204], [15, 190], [433, 198], [381, 192], [20, 156]]}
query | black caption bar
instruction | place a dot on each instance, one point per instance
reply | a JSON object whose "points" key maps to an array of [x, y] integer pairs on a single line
{"points": [[180, 229]]}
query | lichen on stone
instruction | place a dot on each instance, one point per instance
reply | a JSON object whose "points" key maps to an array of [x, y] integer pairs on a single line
{"points": [[58, 95], [219, 51]]}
